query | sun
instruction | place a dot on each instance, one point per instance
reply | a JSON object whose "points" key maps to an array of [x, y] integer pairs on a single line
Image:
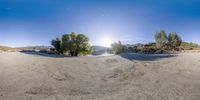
{"points": [[106, 41]]}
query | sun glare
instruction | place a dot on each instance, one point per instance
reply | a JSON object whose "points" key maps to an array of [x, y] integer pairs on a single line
{"points": [[106, 42]]}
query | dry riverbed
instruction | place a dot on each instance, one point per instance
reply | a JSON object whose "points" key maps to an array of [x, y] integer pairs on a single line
{"points": [[126, 77]]}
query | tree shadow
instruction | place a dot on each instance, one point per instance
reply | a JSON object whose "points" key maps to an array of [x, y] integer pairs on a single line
{"points": [[146, 57], [42, 54]]}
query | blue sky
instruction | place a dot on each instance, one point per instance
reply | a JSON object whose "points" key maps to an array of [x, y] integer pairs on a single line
{"points": [[37, 22]]}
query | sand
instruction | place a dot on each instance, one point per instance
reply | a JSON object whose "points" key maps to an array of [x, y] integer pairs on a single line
{"points": [[125, 77]]}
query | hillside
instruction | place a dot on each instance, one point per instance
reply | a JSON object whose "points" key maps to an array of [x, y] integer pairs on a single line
{"points": [[5, 48], [33, 48]]}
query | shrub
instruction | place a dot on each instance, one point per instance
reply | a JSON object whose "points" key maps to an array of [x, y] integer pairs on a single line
{"points": [[118, 47], [161, 39], [189, 46], [170, 42], [174, 40]]}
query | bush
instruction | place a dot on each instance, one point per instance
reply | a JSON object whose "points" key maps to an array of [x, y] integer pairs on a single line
{"points": [[189, 46], [172, 42], [118, 48]]}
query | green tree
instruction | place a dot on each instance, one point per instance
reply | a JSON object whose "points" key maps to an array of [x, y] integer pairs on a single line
{"points": [[83, 45], [161, 39], [73, 36], [174, 40], [65, 42], [72, 44], [57, 44]]}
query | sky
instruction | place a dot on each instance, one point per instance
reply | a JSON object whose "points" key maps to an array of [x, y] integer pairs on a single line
{"points": [[37, 22]]}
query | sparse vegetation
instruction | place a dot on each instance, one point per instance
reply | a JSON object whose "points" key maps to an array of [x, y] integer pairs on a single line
{"points": [[78, 44], [170, 42], [163, 43], [189, 46], [118, 47], [72, 44], [7, 49]]}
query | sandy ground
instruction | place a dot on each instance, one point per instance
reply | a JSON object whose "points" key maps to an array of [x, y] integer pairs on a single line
{"points": [[125, 77]]}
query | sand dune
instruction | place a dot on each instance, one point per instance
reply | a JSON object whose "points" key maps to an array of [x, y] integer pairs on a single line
{"points": [[126, 77]]}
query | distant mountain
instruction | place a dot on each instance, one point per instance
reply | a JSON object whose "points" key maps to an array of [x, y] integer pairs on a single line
{"points": [[129, 45], [34, 48], [5, 48], [98, 48]]}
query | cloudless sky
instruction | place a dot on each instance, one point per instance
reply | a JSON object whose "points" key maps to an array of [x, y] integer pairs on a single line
{"points": [[37, 22]]}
